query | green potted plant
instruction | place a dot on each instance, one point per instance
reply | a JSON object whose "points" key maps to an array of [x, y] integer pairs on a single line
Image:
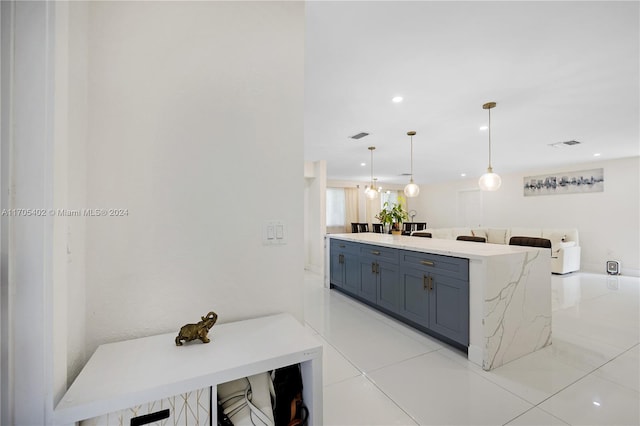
{"points": [[393, 215]]}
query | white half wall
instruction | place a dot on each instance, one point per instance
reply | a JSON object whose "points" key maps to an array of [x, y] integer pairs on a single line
{"points": [[195, 129], [607, 221]]}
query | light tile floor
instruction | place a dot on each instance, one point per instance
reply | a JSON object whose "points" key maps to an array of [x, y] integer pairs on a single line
{"points": [[377, 371]]}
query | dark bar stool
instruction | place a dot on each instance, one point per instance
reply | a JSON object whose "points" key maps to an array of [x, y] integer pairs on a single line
{"points": [[471, 238], [363, 227], [378, 228], [354, 228]]}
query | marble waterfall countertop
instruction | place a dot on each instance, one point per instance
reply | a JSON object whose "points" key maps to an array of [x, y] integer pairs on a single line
{"points": [[509, 293]]}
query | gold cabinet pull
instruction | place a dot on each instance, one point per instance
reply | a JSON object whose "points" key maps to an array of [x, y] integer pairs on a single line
{"points": [[341, 258], [427, 263], [424, 282], [342, 246], [430, 283], [377, 253], [373, 267]]}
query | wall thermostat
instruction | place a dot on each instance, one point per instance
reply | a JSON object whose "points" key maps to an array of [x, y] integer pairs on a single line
{"points": [[613, 267]]}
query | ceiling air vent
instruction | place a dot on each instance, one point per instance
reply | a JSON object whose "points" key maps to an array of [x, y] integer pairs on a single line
{"points": [[566, 143], [359, 135]]}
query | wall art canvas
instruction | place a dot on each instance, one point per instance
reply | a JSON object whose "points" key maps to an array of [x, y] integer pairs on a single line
{"points": [[565, 183]]}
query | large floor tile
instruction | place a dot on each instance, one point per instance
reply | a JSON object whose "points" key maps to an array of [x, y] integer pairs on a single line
{"points": [[373, 345], [623, 370], [435, 391], [537, 376], [357, 401], [536, 417], [336, 368], [595, 401]]}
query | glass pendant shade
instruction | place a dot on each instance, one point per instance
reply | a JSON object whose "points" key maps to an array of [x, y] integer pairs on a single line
{"points": [[411, 190], [371, 193], [489, 181]]}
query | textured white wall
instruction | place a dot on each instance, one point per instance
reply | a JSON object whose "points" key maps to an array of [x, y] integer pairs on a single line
{"points": [[607, 221], [195, 127]]}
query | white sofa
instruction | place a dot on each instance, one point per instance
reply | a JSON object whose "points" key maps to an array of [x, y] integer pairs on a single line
{"points": [[565, 246]]}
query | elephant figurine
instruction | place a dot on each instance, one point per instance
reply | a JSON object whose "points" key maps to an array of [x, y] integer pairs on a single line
{"points": [[191, 332]]}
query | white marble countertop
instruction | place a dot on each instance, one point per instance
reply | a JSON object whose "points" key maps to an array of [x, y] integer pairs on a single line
{"points": [[463, 249]]}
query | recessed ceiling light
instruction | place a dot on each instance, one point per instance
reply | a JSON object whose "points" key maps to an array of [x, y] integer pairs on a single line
{"points": [[463, 174], [597, 154], [484, 128], [363, 164], [397, 99], [596, 403]]}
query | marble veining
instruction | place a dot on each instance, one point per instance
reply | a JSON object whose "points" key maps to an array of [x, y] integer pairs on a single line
{"points": [[517, 317]]}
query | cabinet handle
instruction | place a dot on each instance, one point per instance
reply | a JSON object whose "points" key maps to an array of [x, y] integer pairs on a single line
{"points": [[377, 253], [342, 246], [373, 267], [430, 283], [341, 258], [427, 263], [424, 282]]}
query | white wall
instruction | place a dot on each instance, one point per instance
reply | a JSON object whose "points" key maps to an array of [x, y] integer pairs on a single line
{"points": [[607, 221], [315, 196], [76, 167], [195, 126]]}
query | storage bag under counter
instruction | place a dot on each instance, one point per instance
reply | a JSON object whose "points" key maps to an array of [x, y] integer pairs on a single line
{"points": [[187, 409]]}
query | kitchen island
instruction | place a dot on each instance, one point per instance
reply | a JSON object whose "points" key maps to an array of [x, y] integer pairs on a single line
{"points": [[492, 300]]}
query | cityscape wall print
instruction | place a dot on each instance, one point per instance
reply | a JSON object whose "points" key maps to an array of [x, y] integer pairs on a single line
{"points": [[565, 183]]}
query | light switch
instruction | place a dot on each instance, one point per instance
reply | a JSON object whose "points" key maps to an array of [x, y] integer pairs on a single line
{"points": [[274, 233]]}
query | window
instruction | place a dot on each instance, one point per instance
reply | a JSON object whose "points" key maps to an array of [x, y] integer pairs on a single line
{"points": [[335, 207], [388, 196]]}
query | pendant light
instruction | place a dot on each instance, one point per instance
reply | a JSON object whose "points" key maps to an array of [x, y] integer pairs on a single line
{"points": [[372, 192], [411, 190], [489, 181]]}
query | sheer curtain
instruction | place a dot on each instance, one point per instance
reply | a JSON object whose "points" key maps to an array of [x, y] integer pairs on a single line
{"points": [[335, 211], [351, 207]]}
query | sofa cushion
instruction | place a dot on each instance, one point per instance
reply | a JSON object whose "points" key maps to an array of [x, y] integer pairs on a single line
{"points": [[496, 236], [461, 231], [479, 232], [443, 233], [524, 232]]}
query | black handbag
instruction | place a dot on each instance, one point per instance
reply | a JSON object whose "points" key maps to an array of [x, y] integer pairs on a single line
{"points": [[289, 409]]}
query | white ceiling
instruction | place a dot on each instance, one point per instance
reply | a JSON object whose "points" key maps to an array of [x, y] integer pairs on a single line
{"points": [[557, 70]]}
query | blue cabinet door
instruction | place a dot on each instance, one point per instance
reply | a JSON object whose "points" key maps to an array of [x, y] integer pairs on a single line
{"points": [[336, 267], [388, 289], [368, 279], [352, 278], [449, 308], [414, 296]]}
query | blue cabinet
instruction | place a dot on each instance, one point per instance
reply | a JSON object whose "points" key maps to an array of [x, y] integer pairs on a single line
{"points": [[379, 270], [436, 293], [427, 291], [344, 265]]}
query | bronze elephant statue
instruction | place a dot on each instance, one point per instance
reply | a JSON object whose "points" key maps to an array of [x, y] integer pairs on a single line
{"points": [[191, 332]]}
